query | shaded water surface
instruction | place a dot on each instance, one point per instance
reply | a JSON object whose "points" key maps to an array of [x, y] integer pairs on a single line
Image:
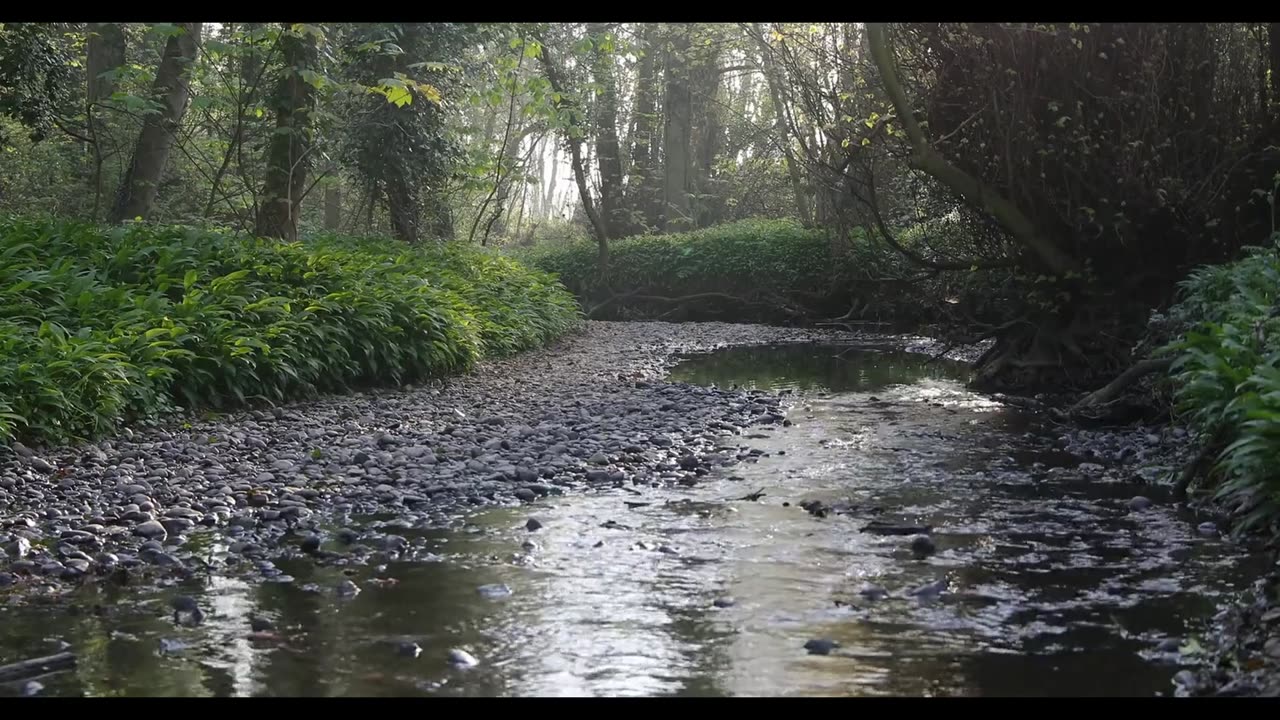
{"points": [[1053, 587]]}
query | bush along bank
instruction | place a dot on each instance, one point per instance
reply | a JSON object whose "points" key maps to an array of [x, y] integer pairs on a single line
{"points": [[771, 271], [100, 326], [1226, 386]]}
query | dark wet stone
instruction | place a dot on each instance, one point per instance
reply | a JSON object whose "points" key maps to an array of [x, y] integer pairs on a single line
{"points": [[7, 579], [724, 602], [532, 525], [41, 465], [922, 546], [821, 646], [346, 588], [310, 543], [1139, 503], [877, 527], [598, 475], [177, 526], [257, 623], [347, 536], [31, 688], [151, 529], [525, 494], [1207, 529], [1169, 645]]}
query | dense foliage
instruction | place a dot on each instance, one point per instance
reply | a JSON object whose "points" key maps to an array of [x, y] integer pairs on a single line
{"points": [[1228, 378], [763, 270], [103, 325]]}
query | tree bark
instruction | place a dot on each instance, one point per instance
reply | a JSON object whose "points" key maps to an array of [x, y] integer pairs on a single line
{"points": [[172, 86], [705, 134], [924, 157], [641, 195], [677, 133], [288, 152], [774, 81], [608, 153], [105, 52], [1273, 60], [575, 156], [332, 207]]}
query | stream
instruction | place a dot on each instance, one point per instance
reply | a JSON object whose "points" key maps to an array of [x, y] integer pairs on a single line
{"points": [[1044, 581]]}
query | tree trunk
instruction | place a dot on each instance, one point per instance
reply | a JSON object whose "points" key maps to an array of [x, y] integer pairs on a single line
{"points": [[706, 129], [403, 209], [288, 152], [773, 79], [641, 194], [677, 133], [608, 153], [925, 158], [137, 192], [575, 156], [105, 52], [332, 207], [1273, 46]]}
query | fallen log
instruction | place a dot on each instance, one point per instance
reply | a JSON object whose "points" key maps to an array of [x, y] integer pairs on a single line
{"points": [[34, 667]]}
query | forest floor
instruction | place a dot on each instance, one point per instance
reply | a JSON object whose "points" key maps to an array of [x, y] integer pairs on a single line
{"points": [[586, 411]]}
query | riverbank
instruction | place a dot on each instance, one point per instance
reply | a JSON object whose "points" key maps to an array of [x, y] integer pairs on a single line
{"points": [[274, 489], [578, 413]]}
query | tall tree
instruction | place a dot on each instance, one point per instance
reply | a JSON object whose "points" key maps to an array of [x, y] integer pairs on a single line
{"points": [[608, 152], [172, 90], [288, 154], [642, 196], [677, 131]]}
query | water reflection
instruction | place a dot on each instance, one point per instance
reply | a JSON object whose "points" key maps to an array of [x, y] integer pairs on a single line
{"points": [[1055, 589]]}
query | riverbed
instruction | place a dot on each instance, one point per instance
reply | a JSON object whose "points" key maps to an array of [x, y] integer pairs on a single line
{"points": [[786, 559]]}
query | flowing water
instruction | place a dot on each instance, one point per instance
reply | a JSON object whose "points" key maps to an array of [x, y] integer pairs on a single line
{"points": [[1052, 586]]}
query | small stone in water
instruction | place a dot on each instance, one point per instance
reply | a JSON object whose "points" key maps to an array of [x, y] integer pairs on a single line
{"points": [[529, 545], [1207, 529], [1139, 503], [346, 588], [532, 525], [31, 687], [724, 602], [258, 624], [170, 647], [462, 658], [494, 591], [922, 546], [821, 646], [310, 543], [873, 592], [409, 649], [1169, 645]]}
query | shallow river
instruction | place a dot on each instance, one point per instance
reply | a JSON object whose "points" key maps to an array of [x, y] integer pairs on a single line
{"points": [[1052, 586]]}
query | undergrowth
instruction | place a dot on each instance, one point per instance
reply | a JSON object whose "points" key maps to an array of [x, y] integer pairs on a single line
{"points": [[1228, 383], [100, 326]]}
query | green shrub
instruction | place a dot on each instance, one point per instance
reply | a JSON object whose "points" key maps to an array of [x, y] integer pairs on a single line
{"points": [[100, 326], [1227, 379], [768, 264], [734, 258]]}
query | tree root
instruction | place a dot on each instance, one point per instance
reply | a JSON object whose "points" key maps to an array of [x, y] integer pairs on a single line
{"points": [[1113, 389]]}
